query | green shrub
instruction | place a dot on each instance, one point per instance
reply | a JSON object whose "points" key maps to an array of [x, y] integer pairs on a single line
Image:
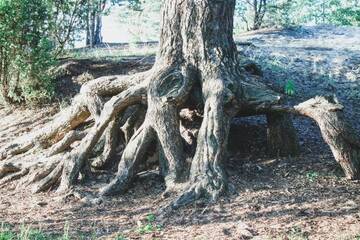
{"points": [[6, 235], [346, 16], [26, 50], [312, 176]]}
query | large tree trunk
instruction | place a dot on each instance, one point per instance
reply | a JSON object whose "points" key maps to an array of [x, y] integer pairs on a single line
{"points": [[196, 68], [188, 58]]}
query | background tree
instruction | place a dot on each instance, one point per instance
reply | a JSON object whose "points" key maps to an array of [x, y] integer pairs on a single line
{"points": [[296, 12], [252, 12], [26, 50], [95, 10], [68, 21], [259, 8]]}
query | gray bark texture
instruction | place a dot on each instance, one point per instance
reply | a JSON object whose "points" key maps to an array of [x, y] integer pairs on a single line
{"points": [[143, 116]]}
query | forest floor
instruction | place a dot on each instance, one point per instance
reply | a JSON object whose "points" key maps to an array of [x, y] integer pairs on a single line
{"points": [[277, 198]]}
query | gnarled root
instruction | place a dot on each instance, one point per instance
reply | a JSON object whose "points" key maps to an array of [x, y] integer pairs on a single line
{"points": [[167, 89], [118, 134], [63, 161], [131, 159], [65, 143], [111, 142], [207, 176], [42, 174], [336, 131], [85, 104], [78, 157]]}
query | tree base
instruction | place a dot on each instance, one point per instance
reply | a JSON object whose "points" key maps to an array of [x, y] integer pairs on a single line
{"points": [[60, 165], [197, 68]]}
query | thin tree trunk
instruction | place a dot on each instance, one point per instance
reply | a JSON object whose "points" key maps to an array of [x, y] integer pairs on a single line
{"points": [[92, 27], [98, 26], [87, 39], [98, 37], [94, 23]]}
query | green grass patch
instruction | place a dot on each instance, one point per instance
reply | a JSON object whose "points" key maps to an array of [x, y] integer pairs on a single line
{"points": [[28, 233]]}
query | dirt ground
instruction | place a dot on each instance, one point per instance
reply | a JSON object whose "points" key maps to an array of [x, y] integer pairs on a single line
{"points": [[276, 198]]}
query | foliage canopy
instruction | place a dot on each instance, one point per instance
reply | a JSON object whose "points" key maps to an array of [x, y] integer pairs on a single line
{"points": [[26, 50]]}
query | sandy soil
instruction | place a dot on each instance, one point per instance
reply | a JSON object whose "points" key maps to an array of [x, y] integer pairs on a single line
{"points": [[277, 198]]}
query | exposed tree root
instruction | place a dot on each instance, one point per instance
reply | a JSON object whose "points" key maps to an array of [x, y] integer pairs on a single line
{"points": [[336, 131], [13, 176], [65, 143], [131, 121], [118, 134], [61, 161], [207, 176], [41, 171], [83, 104], [112, 134], [168, 87], [78, 157], [132, 157], [8, 168]]}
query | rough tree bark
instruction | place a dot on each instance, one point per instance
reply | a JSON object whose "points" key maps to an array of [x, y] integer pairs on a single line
{"points": [[336, 132], [197, 68]]}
